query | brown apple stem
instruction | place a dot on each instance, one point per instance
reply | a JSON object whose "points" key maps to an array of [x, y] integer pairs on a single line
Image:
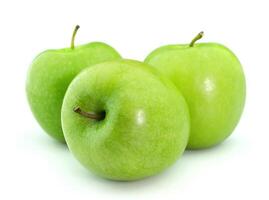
{"points": [[91, 115], [73, 37], [197, 37]]}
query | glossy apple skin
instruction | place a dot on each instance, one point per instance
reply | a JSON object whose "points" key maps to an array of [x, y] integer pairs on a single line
{"points": [[212, 81], [146, 126], [49, 76]]}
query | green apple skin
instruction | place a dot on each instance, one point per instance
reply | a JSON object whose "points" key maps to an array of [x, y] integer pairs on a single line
{"points": [[212, 81], [146, 126], [49, 76]]}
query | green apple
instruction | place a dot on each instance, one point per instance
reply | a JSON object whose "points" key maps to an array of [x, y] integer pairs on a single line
{"points": [[212, 81], [50, 74], [123, 121]]}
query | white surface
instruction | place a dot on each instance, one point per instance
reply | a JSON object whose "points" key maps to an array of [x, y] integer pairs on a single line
{"points": [[33, 166]]}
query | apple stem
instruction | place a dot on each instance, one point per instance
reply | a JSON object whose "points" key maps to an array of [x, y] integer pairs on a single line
{"points": [[91, 115], [73, 37], [197, 37]]}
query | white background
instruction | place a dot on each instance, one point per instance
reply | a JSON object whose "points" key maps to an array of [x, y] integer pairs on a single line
{"points": [[34, 166]]}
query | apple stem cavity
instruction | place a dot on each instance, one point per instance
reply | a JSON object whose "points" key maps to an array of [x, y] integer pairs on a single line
{"points": [[197, 37], [91, 115], [73, 36]]}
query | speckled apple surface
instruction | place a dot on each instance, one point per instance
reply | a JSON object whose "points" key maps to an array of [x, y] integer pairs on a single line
{"points": [[212, 81], [146, 124], [49, 76]]}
